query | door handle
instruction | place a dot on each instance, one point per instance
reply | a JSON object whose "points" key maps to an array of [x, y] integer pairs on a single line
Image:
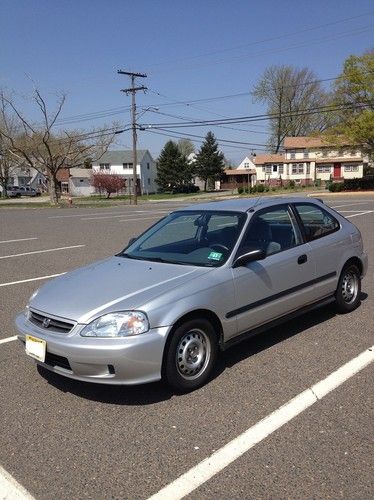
{"points": [[302, 259]]}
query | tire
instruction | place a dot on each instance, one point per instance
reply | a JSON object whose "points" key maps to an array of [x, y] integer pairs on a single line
{"points": [[348, 292], [191, 355]]}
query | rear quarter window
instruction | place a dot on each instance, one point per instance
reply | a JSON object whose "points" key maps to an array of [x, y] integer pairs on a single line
{"points": [[317, 222]]}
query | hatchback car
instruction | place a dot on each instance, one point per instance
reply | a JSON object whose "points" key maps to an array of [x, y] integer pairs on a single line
{"points": [[198, 281]]}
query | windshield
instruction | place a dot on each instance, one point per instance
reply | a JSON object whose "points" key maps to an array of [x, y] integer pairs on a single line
{"points": [[201, 238]]}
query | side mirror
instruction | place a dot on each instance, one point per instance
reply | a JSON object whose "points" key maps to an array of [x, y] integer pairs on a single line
{"points": [[251, 256]]}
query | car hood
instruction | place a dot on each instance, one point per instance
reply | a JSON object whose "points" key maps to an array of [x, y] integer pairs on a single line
{"points": [[113, 284]]}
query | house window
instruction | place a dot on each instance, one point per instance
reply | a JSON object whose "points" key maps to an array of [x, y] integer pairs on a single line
{"points": [[308, 168], [64, 187], [281, 169], [127, 165], [298, 168], [350, 168], [268, 169], [104, 166], [246, 165], [275, 168], [292, 154], [149, 182], [324, 169], [306, 153], [147, 166]]}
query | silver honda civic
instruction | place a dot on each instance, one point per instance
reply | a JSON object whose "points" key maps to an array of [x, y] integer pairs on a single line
{"points": [[198, 281]]}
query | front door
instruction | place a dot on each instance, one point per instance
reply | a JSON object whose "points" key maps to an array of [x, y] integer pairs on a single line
{"points": [[280, 283], [337, 170]]}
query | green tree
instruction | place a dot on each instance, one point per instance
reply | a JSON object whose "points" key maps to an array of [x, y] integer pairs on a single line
{"points": [[355, 86], [173, 170], [286, 91], [210, 163]]}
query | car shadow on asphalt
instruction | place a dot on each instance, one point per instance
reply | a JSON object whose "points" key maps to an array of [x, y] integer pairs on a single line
{"points": [[148, 394]]}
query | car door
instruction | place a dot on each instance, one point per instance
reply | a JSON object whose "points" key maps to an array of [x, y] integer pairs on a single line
{"points": [[280, 283], [327, 243]]}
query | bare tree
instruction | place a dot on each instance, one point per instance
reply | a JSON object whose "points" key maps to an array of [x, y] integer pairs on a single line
{"points": [[8, 161], [40, 147], [287, 93]]}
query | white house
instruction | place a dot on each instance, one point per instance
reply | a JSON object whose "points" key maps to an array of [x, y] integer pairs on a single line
{"points": [[121, 163], [309, 159]]}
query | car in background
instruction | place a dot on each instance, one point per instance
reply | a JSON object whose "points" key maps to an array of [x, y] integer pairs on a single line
{"points": [[13, 192], [198, 281], [28, 191]]}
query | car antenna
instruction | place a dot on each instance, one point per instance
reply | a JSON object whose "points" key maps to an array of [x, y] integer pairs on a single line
{"points": [[252, 209]]}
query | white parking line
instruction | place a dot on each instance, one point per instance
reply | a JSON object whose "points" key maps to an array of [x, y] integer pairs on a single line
{"points": [[41, 251], [350, 204], [136, 220], [80, 215], [21, 239], [361, 213], [31, 279], [10, 489], [223, 457], [124, 215], [5, 341]]}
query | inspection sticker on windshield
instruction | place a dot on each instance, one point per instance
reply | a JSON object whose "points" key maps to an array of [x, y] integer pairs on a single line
{"points": [[36, 348], [215, 256]]}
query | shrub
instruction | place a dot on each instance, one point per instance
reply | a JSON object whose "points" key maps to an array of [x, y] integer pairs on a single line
{"points": [[253, 189], [240, 190], [260, 188], [273, 188], [292, 184], [336, 187]]}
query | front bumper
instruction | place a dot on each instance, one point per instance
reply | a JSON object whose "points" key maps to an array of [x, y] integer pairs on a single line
{"points": [[125, 361]]}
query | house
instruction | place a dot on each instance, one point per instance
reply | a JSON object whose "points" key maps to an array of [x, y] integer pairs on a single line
{"points": [[121, 163], [27, 176], [307, 160], [244, 175]]}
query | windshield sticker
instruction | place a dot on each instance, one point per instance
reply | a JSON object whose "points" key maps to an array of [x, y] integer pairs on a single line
{"points": [[215, 256]]}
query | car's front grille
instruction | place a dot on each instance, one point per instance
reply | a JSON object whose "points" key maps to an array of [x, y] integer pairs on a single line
{"points": [[50, 324], [56, 360]]}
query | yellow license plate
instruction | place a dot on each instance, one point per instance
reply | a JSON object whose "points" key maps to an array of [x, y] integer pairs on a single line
{"points": [[36, 348]]}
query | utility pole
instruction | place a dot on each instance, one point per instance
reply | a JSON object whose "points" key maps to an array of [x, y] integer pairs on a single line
{"points": [[132, 90]]}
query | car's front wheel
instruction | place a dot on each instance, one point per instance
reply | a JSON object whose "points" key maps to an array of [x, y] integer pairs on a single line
{"points": [[349, 289], [191, 355]]}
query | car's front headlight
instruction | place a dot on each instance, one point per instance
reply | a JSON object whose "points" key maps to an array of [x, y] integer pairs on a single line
{"points": [[120, 324]]}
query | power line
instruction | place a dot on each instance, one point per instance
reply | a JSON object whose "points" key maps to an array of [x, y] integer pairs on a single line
{"points": [[260, 117]]}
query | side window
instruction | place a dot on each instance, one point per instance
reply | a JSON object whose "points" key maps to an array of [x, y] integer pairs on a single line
{"points": [[317, 222], [272, 230]]}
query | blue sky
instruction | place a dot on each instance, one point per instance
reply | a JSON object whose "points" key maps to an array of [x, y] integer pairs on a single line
{"points": [[190, 50]]}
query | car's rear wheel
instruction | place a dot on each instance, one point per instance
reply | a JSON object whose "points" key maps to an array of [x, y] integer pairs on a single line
{"points": [[191, 355], [349, 289]]}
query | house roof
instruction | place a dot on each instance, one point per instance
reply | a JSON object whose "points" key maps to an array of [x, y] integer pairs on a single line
{"points": [[81, 172], [268, 158], [311, 142], [121, 156], [241, 171]]}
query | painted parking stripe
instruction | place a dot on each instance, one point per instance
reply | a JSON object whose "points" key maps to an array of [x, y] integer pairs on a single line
{"points": [[21, 239], [5, 341], [126, 215], [361, 213], [354, 204], [136, 220], [223, 457], [10, 489], [41, 251], [9, 283]]}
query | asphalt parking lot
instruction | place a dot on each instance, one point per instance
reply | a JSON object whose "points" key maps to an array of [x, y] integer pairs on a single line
{"points": [[64, 439]]}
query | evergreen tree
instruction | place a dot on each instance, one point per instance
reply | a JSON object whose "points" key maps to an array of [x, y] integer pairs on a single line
{"points": [[210, 164], [173, 169]]}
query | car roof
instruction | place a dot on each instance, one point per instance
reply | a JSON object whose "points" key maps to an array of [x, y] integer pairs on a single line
{"points": [[246, 204]]}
